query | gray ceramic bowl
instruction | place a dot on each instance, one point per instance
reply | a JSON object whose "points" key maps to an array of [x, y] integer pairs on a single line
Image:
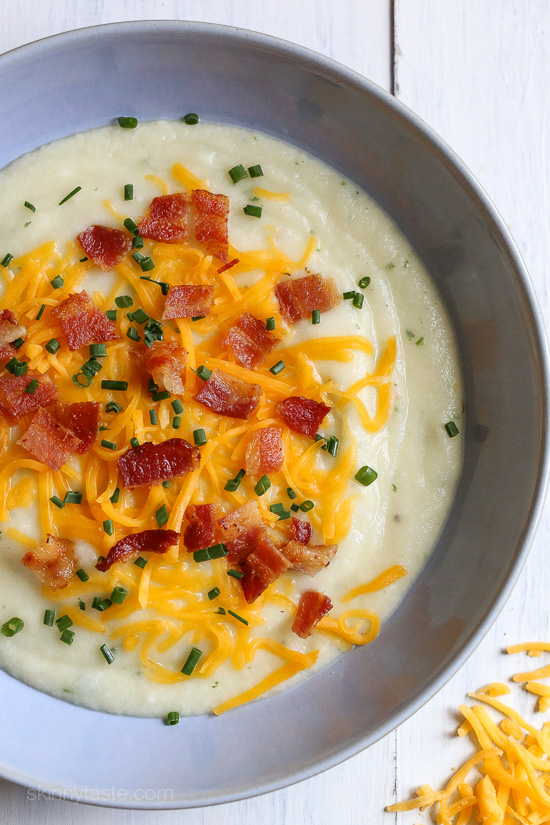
{"points": [[87, 78]]}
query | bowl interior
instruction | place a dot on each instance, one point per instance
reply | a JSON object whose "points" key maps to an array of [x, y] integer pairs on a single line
{"points": [[87, 78]]}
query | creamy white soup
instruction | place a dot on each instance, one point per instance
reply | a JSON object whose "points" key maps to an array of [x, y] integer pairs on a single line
{"points": [[389, 324]]}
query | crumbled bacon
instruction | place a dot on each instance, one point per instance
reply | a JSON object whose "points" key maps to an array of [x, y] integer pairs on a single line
{"points": [[82, 419], [211, 230], [166, 363], [152, 463], [301, 530], [105, 246], [261, 568], [167, 219], [309, 560], [83, 322], [230, 396], [14, 401], [49, 441], [10, 330], [250, 341], [241, 531], [264, 452], [303, 415], [130, 547], [187, 301], [201, 530], [53, 562], [311, 609], [298, 298]]}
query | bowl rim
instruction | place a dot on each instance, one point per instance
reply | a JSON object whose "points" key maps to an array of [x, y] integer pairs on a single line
{"points": [[535, 318]]}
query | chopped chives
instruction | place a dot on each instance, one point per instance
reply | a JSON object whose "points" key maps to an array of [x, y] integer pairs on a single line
{"points": [[57, 282], [98, 350], [153, 417], [212, 594], [172, 718], [108, 526], [166, 484], [234, 483], [12, 364], [333, 445], [316, 316], [81, 604], [114, 385], [12, 626], [420, 342], [221, 611], [81, 379], [160, 396], [255, 171], [277, 508], [138, 242], [306, 506], [177, 406], [263, 484], [82, 260], [6, 260], [129, 192], [91, 367], [127, 122], [57, 501], [82, 575], [235, 574], [111, 314], [140, 562], [236, 616], [118, 595], [134, 442], [161, 516], [349, 295], [115, 497], [30, 206], [364, 282], [67, 636], [191, 118], [203, 372], [451, 428], [294, 507], [109, 445], [151, 386], [253, 211], [290, 492], [49, 616], [144, 261], [64, 622], [283, 515], [197, 317], [277, 368], [270, 323], [108, 654], [358, 300], [70, 195], [366, 475], [217, 551], [176, 422], [101, 604], [140, 316], [201, 555], [192, 661], [237, 173], [40, 311], [199, 437], [123, 301], [133, 334], [20, 368], [112, 407]]}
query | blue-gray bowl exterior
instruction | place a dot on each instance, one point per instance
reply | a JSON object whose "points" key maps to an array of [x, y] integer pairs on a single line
{"points": [[87, 78]]}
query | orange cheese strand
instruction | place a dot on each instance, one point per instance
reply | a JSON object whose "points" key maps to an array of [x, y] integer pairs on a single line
{"points": [[389, 576]]}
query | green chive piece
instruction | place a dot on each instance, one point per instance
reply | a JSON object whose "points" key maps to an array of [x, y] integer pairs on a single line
{"points": [[255, 171], [198, 317], [140, 562], [138, 242], [82, 260], [234, 483], [134, 443], [114, 385], [277, 508], [81, 604], [118, 595], [153, 417], [67, 636], [82, 380], [98, 350], [203, 372], [199, 437], [237, 173], [12, 365], [123, 301], [191, 119], [6, 260], [277, 368], [253, 211], [177, 406], [108, 526], [192, 661], [127, 122], [306, 506], [20, 368], [49, 616], [109, 445], [166, 484], [115, 497], [18, 343], [172, 718], [176, 422], [144, 261], [201, 555], [64, 622], [40, 311], [101, 604], [366, 475], [221, 611], [294, 507], [235, 574], [82, 575], [57, 501], [129, 192], [291, 493], [108, 654], [91, 367], [70, 195], [270, 323], [263, 484], [349, 295], [364, 282], [358, 300], [30, 206], [236, 616], [57, 282], [217, 551], [161, 516], [160, 396], [212, 594], [140, 316], [151, 386], [333, 445], [451, 428], [420, 342], [133, 334], [111, 314], [12, 626], [316, 316], [283, 515], [112, 407]]}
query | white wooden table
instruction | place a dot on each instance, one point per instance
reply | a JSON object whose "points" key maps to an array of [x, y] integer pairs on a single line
{"points": [[477, 71]]}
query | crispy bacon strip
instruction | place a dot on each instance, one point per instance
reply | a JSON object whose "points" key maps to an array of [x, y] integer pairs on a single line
{"points": [[188, 301], [261, 568], [211, 230], [53, 562], [105, 246], [298, 298], [264, 452], [82, 419], [82, 322], [49, 441], [15, 402], [152, 463], [10, 330], [303, 415], [130, 547], [309, 560], [166, 363], [241, 531], [301, 530], [167, 219], [311, 609], [201, 530], [250, 341], [230, 396]]}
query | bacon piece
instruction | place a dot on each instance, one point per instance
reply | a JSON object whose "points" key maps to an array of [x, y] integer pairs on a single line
{"points": [[153, 463], [105, 246], [7, 352], [301, 530], [83, 322], [261, 568], [298, 298], [130, 547], [311, 609], [303, 415], [309, 560], [264, 452], [49, 441], [167, 219], [82, 419], [241, 530], [211, 230], [14, 401], [53, 562], [230, 396], [166, 363], [201, 530], [10, 330], [187, 301], [250, 341]]}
